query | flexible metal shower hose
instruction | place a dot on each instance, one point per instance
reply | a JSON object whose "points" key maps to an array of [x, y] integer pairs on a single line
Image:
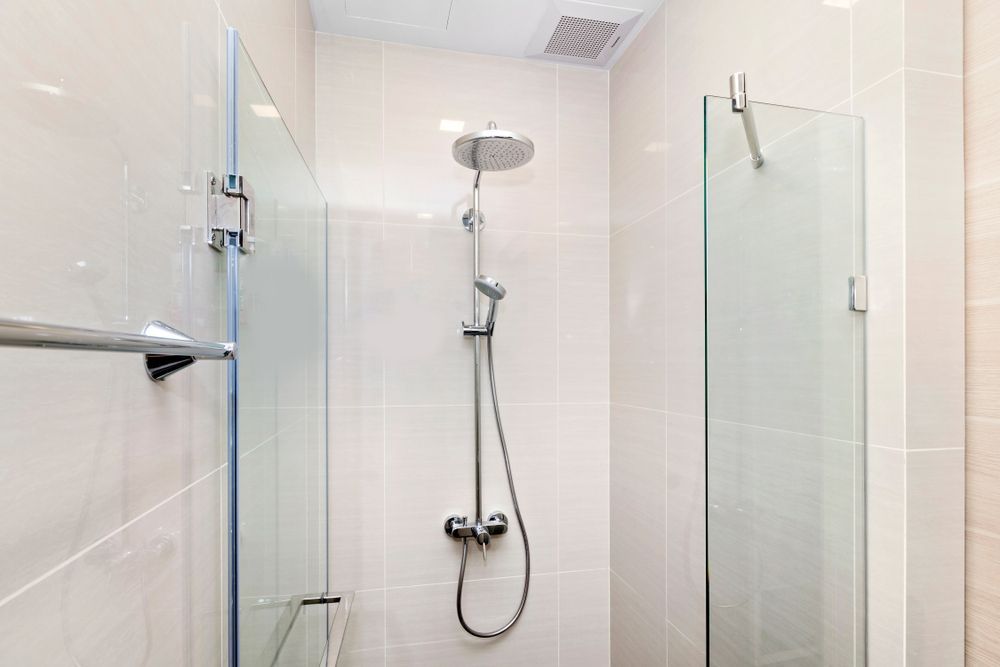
{"points": [[517, 513]]}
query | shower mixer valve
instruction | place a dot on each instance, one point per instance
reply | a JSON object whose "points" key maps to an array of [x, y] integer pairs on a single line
{"points": [[459, 528]]}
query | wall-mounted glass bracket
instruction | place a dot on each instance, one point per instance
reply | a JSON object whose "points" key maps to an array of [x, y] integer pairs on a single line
{"points": [[858, 293], [741, 105], [230, 213]]}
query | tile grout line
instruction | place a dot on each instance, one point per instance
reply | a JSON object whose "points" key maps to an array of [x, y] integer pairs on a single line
{"points": [[547, 573], [558, 347], [450, 228], [101, 540], [903, 242], [385, 409], [609, 319], [414, 406], [914, 451]]}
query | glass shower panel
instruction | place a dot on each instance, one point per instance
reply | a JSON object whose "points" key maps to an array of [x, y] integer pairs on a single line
{"points": [[785, 388], [281, 390]]}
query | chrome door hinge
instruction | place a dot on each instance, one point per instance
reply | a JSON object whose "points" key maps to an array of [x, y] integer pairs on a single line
{"points": [[858, 293], [230, 213]]}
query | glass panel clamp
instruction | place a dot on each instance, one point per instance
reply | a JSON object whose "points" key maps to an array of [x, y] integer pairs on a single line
{"points": [[230, 213]]}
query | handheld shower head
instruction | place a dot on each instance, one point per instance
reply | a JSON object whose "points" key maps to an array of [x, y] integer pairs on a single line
{"points": [[495, 291], [490, 287]]}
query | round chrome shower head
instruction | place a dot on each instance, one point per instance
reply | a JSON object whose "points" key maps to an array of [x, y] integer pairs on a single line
{"points": [[490, 287], [493, 150]]}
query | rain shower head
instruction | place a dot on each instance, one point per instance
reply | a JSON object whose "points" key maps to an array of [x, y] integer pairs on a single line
{"points": [[490, 287], [493, 150]]}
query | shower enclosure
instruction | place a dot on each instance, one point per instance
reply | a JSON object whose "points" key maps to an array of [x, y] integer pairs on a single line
{"points": [[271, 233], [785, 291]]}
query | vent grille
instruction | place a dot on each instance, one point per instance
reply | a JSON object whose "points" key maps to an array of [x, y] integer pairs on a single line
{"points": [[580, 38]]}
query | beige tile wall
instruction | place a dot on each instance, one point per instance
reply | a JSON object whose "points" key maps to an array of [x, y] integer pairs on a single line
{"points": [[401, 456], [982, 173], [113, 527], [896, 63]]}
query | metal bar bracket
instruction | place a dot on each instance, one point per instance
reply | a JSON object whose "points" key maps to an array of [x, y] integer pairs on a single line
{"points": [[741, 105], [230, 213], [858, 293]]}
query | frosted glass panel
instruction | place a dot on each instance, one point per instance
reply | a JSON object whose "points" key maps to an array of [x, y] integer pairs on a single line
{"points": [[785, 385], [281, 391]]}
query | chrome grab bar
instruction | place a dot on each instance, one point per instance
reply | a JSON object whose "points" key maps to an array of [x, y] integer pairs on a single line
{"points": [[167, 350]]}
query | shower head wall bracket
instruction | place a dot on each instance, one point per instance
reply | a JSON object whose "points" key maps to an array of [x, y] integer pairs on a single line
{"points": [[469, 215]]}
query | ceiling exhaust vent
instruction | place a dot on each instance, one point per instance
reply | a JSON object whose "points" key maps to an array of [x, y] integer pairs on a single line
{"points": [[581, 32]]}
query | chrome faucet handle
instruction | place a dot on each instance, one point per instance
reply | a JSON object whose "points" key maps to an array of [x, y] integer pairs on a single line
{"points": [[459, 528]]}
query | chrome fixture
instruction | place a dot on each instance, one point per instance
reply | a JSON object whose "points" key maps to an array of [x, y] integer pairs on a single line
{"points": [[494, 291], [493, 150], [230, 213], [741, 105], [489, 150], [858, 286], [167, 350]]}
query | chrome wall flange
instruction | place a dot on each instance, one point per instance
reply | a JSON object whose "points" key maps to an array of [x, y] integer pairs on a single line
{"points": [[161, 366], [467, 219]]}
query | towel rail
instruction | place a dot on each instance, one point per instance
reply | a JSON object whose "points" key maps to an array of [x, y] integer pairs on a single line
{"points": [[167, 350]]}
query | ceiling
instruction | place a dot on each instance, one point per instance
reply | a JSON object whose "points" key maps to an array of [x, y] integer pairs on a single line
{"points": [[497, 27]]}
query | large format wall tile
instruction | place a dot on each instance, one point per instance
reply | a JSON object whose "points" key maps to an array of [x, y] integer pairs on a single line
{"points": [[639, 503], [149, 590], [637, 636], [583, 301], [638, 133], [885, 517], [685, 563], [684, 287], [638, 313], [584, 606], [583, 487], [982, 316], [982, 18], [882, 107], [358, 314], [583, 151], [357, 498], [349, 126], [935, 235], [423, 629], [935, 520]]}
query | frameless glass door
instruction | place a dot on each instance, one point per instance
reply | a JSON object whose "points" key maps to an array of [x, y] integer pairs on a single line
{"points": [[785, 388], [280, 386]]}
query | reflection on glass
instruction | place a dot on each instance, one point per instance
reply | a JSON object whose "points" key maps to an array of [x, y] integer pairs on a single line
{"points": [[785, 388], [282, 391]]}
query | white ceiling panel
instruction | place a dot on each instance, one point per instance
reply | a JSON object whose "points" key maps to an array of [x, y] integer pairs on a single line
{"points": [[428, 14], [496, 27]]}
